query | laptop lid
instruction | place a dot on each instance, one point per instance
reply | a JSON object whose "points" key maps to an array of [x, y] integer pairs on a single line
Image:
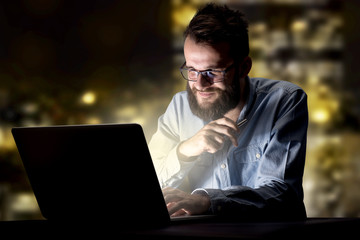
{"points": [[92, 172]]}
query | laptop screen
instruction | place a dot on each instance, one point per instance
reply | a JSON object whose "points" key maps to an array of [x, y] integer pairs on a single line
{"points": [[92, 172]]}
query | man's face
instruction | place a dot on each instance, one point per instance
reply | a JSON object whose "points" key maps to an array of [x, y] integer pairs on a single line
{"points": [[209, 100]]}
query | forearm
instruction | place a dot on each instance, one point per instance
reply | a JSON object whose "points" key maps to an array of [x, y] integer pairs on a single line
{"points": [[170, 169], [267, 202]]}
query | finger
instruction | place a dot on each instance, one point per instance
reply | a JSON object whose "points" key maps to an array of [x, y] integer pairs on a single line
{"points": [[176, 208], [172, 208], [219, 139], [233, 139], [181, 212], [225, 127], [170, 205], [215, 142], [172, 198], [227, 122], [168, 191], [233, 131], [219, 131]]}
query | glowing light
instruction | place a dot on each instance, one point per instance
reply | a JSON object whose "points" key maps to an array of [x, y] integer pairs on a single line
{"points": [[6, 140], [2, 137], [88, 98], [93, 120], [140, 120], [320, 116], [24, 202], [299, 26], [127, 111], [183, 15]]}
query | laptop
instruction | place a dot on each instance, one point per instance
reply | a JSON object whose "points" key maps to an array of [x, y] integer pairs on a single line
{"points": [[92, 173]]}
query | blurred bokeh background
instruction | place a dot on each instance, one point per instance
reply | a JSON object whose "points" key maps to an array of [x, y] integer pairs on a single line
{"points": [[108, 61]]}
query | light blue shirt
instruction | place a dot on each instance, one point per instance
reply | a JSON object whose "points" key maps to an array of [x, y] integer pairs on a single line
{"points": [[262, 177]]}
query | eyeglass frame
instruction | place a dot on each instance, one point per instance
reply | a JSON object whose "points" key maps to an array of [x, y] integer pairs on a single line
{"points": [[205, 71]]}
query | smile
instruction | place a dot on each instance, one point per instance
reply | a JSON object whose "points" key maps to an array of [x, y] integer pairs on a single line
{"points": [[206, 94]]}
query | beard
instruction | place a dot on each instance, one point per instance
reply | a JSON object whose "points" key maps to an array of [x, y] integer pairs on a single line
{"points": [[227, 99]]}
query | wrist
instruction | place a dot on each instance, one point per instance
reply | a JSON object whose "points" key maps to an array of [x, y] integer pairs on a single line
{"points": [[206, 202], [182, 155]]}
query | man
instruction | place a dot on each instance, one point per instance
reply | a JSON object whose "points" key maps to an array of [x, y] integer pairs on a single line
{"points": [[230, 145]]}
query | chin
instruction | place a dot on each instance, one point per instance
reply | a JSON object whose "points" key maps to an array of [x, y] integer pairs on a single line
{"points": [[205, 105]]}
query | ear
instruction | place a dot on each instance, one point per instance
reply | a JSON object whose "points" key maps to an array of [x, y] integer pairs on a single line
{"points": [[245, 67]]}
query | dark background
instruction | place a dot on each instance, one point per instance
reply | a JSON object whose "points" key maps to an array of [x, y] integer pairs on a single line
{"points": [[106, 61]]}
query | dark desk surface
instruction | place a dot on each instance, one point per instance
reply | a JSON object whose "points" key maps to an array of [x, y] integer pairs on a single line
{"points": [[312, 227]]}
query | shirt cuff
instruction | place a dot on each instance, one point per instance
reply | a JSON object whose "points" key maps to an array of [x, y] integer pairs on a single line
{"points": [[217, 199], [200, 191], [203, 192]]}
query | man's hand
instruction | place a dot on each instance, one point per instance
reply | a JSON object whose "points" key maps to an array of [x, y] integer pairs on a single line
{"points": [[182, 203], [210, 138]]}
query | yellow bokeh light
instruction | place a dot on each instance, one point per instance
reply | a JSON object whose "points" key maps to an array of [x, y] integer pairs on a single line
{"points": [[88, 98], [320, 116], [299, 26], [183, 14], [93, 120]]}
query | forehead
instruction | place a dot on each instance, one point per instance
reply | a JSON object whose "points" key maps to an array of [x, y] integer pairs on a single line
{"points": [[204, 56]]}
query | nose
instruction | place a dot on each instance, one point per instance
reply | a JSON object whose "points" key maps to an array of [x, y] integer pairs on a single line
{"points": [[202, 82]]}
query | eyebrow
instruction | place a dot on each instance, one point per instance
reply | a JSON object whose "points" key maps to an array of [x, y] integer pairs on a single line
{"points": [[207, 69]]}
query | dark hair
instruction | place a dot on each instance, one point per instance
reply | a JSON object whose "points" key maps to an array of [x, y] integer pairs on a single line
{"points": [[214, 24]]}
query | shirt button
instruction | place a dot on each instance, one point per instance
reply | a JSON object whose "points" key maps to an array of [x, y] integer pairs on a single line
{"points": [[223, 166], [257, 155]]}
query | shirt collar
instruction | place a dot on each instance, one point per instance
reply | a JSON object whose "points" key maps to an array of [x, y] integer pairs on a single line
{"points": [[250, 89]]}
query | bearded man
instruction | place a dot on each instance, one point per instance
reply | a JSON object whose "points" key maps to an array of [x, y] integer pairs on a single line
{"points": [[230, 145]]}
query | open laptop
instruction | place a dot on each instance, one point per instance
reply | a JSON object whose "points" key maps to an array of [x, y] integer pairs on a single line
{"points": [[92, 173]]}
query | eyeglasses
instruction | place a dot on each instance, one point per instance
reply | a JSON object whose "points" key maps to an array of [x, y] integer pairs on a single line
{"points": [[212, 76]]}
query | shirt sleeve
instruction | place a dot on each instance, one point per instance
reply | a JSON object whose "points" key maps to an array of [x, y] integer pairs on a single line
{"points": [[171, 171], [278, 191]]}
